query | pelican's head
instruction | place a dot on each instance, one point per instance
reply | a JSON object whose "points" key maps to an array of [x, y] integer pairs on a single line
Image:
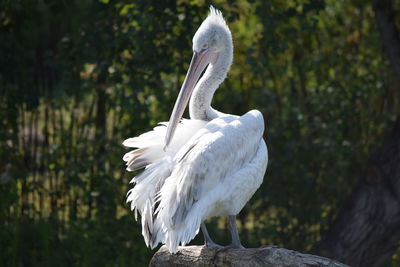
{"points": [[213, 35], [212, 40]]}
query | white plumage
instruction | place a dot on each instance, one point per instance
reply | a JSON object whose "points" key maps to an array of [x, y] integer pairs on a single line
{"points": [[204, 167]]}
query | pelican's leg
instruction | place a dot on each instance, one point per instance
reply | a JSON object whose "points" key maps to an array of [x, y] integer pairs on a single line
{"points": [[234, 233], [207, 239]]}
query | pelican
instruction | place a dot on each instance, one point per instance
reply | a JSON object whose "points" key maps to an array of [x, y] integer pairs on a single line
{"points": [[206, 166]]}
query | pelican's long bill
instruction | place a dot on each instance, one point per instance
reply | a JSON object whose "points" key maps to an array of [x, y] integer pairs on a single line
{"points": [[199, 62]]}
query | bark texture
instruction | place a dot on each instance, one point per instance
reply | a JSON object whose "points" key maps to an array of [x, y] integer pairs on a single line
{"points": [[367, 230], [199, 256]]}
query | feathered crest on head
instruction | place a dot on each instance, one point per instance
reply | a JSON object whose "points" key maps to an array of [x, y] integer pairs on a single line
{"points": [[213, 25], [216, 17]]}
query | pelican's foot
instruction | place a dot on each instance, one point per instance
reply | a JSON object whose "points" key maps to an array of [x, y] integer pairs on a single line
{"points": [[213, 245]]}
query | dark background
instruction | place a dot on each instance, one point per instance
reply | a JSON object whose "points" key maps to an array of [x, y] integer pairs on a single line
{"points": [[79, 77]]}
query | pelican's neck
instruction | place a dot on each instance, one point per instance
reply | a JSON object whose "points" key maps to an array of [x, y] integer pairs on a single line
{"points": [[200, 102]]}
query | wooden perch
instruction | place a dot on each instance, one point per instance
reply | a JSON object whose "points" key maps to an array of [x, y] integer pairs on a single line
{"points": [[199, 256]]}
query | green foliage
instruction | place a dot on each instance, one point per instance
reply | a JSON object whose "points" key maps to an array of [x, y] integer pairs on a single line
{"points": [[79, 77]]}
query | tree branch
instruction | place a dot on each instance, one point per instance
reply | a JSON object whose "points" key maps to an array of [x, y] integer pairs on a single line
{"points": [[200, 256]]}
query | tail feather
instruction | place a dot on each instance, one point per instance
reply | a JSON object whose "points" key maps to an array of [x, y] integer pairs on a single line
{"points": [[157, 164], [142, 196], [176, 234], [145, 196], [137, 163], [175, 224]]}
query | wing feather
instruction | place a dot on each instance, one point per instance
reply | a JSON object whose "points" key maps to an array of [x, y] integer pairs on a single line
{"points": [[217, 150]]}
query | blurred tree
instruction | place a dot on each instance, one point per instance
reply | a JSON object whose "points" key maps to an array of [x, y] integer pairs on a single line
{"points": [[367, 229]]}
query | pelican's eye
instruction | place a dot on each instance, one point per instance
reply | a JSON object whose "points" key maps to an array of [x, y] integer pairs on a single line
{"points": [[205, 46]]}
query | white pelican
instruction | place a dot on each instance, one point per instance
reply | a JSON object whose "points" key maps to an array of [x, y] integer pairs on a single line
{"points": [[204, 167]]}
